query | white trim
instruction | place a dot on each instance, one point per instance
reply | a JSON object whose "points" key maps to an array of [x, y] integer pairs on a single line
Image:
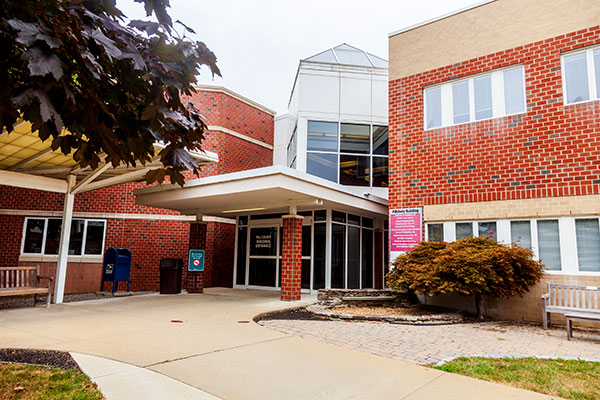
{"points": [[238, 135], [237, 96], [94, 215], [18, 179], [46, 220], [439, 18], [54, 258], [220, 220], [591, 75]]}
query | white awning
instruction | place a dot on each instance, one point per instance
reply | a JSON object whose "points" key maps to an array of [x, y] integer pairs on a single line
{"points": [[270, 189]]}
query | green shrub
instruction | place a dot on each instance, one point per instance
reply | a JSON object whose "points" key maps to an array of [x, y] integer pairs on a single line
{"points": [[469, 267]]}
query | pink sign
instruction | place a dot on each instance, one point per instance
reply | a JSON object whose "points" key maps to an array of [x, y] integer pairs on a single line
{"points": [[405, 229]]}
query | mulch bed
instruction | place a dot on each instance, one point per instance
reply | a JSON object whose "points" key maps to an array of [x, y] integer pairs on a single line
{"points": [[291, 314], [50, 358]]}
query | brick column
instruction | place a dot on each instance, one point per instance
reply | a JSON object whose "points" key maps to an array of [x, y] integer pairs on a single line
{"points": [[291, 260], [197, 242], [378, 284]]}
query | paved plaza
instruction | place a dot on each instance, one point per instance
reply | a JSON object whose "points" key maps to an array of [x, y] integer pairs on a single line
{"points": [[431, 344], [207, 346]]}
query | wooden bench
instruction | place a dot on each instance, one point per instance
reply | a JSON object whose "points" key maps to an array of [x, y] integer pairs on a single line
{"points": [[570, 300], [585, 317], [20, 281]]}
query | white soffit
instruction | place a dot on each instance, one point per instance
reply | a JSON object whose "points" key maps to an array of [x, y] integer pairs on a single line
{"points": [[267, 189]]}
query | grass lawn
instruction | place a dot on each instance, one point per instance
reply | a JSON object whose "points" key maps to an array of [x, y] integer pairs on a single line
{"points": [[27, 382], [565, 378]]}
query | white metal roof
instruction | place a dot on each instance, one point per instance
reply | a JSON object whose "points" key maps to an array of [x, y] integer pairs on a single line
{"points": [[27, 161]]}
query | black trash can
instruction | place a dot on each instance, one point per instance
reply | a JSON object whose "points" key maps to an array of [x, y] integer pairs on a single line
{"points": [[171, 270]]}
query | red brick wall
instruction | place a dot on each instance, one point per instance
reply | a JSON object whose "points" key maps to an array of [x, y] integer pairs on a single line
{"points": [[291, 260], [552, 150], [11, 232], [151, 240]]}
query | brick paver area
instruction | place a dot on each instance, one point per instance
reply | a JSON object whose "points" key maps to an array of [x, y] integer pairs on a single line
{"points": [[430, 344]]}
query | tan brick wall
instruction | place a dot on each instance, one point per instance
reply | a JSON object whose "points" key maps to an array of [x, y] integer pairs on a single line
{"points": [[492, 27], [526, 308], [504, 209]]}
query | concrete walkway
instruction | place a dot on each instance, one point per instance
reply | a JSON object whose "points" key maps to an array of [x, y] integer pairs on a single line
{"points": [[209, 342]]}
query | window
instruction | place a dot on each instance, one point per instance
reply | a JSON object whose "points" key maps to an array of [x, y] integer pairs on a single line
{"points": [[482, 88], [292, 151], [520, 234], [42, 236], [487, 229], [587, 232], [491, 95], [362, 158], [581, 76], [435, 232], [464, 230], [549, 243], [433, 108]]}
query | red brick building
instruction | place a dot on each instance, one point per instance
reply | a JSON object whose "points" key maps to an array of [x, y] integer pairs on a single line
{"points": [[495, 130], [240, 134]]}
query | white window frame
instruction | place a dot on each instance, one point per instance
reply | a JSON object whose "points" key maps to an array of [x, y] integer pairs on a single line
{"points": [[498, 100], [83, 241], [339, 153], [576, 249], [593, 95]]}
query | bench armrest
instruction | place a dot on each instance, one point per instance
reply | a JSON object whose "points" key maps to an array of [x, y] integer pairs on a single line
{"points": [[45, 277], [545, 296]]}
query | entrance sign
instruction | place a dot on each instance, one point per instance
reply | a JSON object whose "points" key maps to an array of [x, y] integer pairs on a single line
{"points": [[196, 260], [406, 230]]}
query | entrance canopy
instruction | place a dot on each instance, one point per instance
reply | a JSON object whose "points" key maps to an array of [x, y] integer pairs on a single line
{"points": [[270, 189], [28, 162]]}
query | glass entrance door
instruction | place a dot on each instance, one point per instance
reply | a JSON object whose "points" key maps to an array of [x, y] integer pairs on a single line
{"points": [[263, 256]]}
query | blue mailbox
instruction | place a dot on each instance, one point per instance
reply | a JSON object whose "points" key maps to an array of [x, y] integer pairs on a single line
{"points": [[116, 267]]}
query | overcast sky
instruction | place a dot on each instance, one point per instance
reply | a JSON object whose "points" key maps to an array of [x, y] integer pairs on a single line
{"points": [[259, 43]]}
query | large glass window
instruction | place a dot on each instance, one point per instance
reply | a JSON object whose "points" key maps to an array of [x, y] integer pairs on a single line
{"points": [[487, 229], [355, 138], [322, 136], [320, 249], [353, 257], [42, 236], [367, 259], [322, 165], [549, 243], [463, 230], [435, 232], [354, 170], [380, 140], [338, 256], [514, 91], [588, 244], [433, 108], [482, 88], [240, 273], [576, 77], [362, 159], [450, 103], [581, 76], [460, 102], [520, 233]]}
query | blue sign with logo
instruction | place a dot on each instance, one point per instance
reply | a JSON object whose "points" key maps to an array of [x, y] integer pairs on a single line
{"points": [[196, 260]]}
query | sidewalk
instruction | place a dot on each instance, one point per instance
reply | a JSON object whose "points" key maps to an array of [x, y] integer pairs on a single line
{"points": [[209, 342]]}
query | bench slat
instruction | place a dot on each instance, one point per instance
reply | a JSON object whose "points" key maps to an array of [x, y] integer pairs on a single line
{"points": [[17, 292]]}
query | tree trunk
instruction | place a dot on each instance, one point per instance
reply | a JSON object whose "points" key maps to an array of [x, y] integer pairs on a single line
{"points": [[479, 305]]}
